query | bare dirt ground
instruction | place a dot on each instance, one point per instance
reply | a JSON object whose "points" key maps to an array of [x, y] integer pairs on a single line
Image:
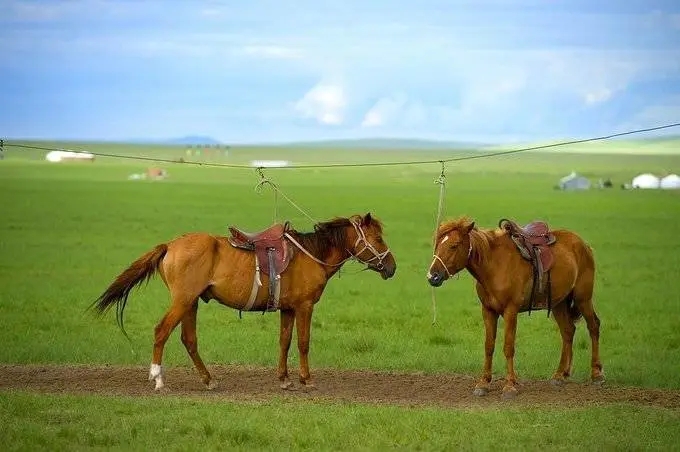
{"points": [[260, 384]]}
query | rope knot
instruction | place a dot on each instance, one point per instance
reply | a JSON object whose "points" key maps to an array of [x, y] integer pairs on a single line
{"points": [[441, 180]]}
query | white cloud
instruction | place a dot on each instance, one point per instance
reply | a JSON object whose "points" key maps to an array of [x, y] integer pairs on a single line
{"points": [[272, 51], [385, 111], [326, 102], [598, 96]]}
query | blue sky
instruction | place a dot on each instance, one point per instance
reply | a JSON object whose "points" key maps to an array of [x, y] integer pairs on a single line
{"points": [[272, 71]]}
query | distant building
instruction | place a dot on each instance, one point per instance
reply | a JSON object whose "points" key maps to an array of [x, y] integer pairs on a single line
{"points": [[574, 182], [670, 182], [645, 180]]}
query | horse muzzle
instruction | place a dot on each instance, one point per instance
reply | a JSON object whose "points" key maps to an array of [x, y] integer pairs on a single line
{"points": [[386, 270], [435, 279]]}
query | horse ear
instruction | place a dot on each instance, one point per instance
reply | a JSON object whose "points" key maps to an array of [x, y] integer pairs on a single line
{"points": [[470, 227], [367, 219]]}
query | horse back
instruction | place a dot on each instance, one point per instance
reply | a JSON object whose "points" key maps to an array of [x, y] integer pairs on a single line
{"points": [[572, 243]]}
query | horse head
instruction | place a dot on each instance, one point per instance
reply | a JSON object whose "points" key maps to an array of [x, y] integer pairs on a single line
{"points": [[452, 251], [366, 244]]}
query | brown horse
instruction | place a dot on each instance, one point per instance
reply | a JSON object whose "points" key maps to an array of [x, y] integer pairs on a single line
{"points": [[200, 265], [504, 283]]}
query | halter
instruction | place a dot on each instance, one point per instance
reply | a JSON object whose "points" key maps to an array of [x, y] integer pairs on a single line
{"points": [[435, 257], [361, 237]]}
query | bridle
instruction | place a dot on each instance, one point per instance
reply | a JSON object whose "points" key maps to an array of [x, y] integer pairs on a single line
{"points": [[361, 238], [435, 258]]}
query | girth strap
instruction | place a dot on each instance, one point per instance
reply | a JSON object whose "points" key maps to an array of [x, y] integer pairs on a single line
{"points": [[274, 285]]}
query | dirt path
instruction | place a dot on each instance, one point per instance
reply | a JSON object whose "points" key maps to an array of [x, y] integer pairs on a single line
{"points": [[242, 383]]}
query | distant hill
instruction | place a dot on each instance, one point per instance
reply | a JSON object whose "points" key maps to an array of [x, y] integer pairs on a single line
{"points": [[387, 143], [186, 140]]}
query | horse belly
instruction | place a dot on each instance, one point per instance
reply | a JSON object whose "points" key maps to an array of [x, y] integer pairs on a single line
{"points": [[236, 292], [233, 279]]}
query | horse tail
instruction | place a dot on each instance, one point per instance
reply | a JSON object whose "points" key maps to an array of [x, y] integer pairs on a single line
{"points": [[574, 313], [139, 271]]}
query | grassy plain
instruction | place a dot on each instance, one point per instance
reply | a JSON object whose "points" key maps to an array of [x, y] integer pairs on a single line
{"points": [[68, 229], [66, 422]]}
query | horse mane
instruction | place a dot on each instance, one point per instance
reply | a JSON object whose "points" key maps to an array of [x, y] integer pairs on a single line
{"points": [[327, 236], [480, 238]]}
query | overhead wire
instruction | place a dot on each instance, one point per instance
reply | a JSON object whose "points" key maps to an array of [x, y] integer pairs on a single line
{"points": [[480, 155]]}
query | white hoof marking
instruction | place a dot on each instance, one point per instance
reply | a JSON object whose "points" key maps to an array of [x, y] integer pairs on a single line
{"points": [[156, 373]]}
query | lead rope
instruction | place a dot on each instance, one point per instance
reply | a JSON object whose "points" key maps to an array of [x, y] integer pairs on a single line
{"points": [[258, 189], [441, 180], [265, 181]]}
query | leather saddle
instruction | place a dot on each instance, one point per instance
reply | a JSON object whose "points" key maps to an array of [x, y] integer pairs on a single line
{"points": [[272, 251], [533, 241]]}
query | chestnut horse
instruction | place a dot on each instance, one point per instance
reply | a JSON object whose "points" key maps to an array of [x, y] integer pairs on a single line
{"points": [[504, 286], [200, 265]]}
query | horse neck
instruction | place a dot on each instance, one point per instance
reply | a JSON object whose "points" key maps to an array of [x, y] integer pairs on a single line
{"points": [[325, 250], [479, 264]]}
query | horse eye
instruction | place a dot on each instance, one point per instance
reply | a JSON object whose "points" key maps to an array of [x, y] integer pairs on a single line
{"points": [[453, 246], [380, 240]]}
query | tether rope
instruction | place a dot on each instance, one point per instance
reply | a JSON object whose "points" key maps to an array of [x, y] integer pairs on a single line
{"points": [[275, 188], [441, 180]]}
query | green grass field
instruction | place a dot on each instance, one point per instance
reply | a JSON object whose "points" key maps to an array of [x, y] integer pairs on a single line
{"points": [[68, 229]]}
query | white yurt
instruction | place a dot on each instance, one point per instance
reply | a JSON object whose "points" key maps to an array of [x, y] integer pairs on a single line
{"points": [[670, 182], [645, 181]]}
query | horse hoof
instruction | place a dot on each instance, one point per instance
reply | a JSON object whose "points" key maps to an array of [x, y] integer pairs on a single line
{"points": [[287, 385], [211, 385], [557, 382], [509, 393], [598, 381], [309, 386], [480, 392]]}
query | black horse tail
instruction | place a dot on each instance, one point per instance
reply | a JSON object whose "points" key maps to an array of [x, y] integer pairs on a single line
{"points": [[574, 313], [139, 271]]}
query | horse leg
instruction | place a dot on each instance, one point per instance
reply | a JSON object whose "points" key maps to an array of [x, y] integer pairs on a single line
{"points": [[303, 321], [567, 329], [593, 323], [490, 326], [285, 336], [190, 341], [510, 329], [161, 333]]}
